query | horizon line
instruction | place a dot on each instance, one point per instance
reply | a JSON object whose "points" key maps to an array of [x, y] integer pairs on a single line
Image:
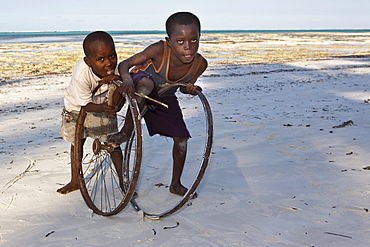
{"points": [[203, 31]]}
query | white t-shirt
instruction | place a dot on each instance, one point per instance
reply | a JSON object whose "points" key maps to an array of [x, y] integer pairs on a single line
{"points": [[79, 91]]}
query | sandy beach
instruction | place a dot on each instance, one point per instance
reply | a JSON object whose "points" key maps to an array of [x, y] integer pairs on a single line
{"points": [[290, 157]]}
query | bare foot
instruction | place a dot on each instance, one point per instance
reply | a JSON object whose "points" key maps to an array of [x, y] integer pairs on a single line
{"points": [[71, 186], [181, 191], [117, 138]]}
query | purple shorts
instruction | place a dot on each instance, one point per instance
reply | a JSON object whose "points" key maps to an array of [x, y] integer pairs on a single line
{"points": [[160, 120]]}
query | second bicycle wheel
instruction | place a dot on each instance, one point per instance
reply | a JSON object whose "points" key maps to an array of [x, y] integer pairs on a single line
{"points": [[102, 183], [153, 202]]}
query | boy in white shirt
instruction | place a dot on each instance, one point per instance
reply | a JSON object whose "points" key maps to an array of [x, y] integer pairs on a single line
{"points": [[99, 64]]}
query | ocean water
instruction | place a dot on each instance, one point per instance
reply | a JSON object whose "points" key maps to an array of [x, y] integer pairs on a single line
{"points": [[130, 36]]}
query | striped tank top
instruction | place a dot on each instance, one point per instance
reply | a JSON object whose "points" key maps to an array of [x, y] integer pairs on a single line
{"points": [[160, 75]]}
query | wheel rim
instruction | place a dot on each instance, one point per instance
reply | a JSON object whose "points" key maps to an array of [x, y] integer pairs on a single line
{"points": [[200, 173], [101, 184]]}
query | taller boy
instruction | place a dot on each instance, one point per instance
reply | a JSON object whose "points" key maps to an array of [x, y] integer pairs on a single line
{"points": [[161, 64]]}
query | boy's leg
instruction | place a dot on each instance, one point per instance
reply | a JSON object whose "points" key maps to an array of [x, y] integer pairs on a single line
{"points": [[117, 159], [143, 86], [73, 184], [179, 155]]}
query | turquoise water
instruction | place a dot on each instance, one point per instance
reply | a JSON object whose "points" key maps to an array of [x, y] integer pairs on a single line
{"points": [[77, 36]]}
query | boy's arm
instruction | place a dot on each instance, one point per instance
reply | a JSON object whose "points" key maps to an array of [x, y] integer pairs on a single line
{"points": [[153, 52], [190, 86], [104, 107], [92, 107]]}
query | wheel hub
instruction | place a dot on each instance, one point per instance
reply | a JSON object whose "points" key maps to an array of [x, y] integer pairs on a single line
{"points": [[98, 147]]}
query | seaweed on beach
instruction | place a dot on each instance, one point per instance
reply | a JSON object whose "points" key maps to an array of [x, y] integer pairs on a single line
{"points": [[344, 124]]}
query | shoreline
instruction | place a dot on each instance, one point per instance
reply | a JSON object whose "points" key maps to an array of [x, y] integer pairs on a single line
{"points": [[39, 59], [145, 32]]}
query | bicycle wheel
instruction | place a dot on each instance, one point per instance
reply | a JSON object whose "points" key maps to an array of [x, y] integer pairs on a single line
{"points": [[199, 174], [101, 180]]}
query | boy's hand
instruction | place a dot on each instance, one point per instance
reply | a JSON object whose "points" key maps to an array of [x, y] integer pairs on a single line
{"points": [[191, 88], [110, 78], [126, 89], [111, 110], [127, 85]]}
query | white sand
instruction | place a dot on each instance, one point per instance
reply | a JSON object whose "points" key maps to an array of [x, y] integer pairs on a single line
{"points": [[280, 174]]}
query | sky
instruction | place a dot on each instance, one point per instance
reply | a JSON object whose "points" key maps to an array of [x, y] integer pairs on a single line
{"points": [[109, 15]]}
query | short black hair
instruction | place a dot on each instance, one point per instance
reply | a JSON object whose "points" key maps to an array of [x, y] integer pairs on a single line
{"points": [[181, 18], [95, 38]]}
